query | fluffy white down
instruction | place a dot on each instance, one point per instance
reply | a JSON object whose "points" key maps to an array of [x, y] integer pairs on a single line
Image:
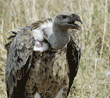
{"points": [[39, 36], [38, 32], [43, 48]]}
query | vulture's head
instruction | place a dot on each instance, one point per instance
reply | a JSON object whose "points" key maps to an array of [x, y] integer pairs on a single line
{"points": [[61, 23], [67, 21]]}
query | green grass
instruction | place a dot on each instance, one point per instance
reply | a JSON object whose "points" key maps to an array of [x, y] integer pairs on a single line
{"points": [[91, 80]]}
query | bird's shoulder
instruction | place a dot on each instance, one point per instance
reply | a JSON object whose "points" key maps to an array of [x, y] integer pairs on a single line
{"points": [[75, 39], [41, 23], [36, 30], [15, 33]]}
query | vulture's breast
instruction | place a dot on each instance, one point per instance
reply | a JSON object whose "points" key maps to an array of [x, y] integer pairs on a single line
{"points": [[49, 75]]}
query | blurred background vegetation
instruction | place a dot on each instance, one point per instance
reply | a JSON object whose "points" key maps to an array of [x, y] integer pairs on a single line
{"points": [[93, 78]]}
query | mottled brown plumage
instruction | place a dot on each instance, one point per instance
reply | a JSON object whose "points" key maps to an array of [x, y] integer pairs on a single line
{"points": [[49, 73]]}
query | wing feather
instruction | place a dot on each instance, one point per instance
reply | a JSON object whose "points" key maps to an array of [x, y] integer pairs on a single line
{"points": [[19, 52], [20, 49], [73, 57]]}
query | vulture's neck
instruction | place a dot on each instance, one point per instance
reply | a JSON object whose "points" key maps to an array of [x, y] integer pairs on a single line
{"points": [[59, 38]]}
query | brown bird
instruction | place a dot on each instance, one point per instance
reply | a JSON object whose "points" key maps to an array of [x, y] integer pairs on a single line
{"points": [[43, 59]]}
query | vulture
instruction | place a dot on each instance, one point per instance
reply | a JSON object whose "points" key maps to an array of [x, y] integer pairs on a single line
{"points": [[43, 58]]}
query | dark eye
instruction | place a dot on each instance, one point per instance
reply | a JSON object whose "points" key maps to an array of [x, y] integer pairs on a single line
{"points": [[64, 16]]}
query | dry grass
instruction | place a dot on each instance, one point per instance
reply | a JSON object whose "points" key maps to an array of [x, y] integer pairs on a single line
{"points": [[92, 80]]}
